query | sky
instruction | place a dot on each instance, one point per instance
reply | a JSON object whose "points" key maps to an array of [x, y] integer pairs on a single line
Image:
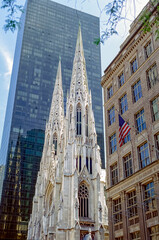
{"points": [[108, 50]]}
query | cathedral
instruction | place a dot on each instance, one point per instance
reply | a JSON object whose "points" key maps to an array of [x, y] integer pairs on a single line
{"points": [[69, 201]]}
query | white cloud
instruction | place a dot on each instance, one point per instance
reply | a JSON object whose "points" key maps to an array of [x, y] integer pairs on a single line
{"points": [[8, 60]]}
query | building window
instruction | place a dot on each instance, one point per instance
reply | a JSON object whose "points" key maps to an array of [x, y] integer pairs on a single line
{"points": [[121, 79], [111, 114], [157, 145], [140, 121], [71, 109], [78, 121], [86, 125], [137, 91], [78, 163], [132, 204], [135, 236], [144, 159], [114, 174], [123, 104], [133, 65], [155, 109], [119, 238], [55, 142], [128, 169], [148, 49], [152, 76], [110, 92], [113, 143], [87, 163], [149, 197], [83, 196], [90, 165], [117, 212], [154, 232]]}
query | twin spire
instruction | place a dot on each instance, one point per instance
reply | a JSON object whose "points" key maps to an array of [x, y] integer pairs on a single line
{"points": [[78, 81]]}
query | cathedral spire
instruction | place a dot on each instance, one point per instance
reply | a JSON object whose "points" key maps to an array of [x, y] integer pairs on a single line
{"points": [[57, 106], [79, 75]]}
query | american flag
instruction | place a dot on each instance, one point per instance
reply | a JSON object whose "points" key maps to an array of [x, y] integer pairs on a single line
{"points": [[123, 130]]}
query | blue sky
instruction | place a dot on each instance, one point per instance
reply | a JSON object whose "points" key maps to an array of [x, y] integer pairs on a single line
{"points": [[108, 50]]}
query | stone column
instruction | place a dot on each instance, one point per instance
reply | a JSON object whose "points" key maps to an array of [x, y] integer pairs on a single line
{"points": [[141, 212], [124, 214]]}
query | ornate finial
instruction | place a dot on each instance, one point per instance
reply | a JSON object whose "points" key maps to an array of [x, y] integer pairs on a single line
{"points": [[59, 58], [79, 23]]}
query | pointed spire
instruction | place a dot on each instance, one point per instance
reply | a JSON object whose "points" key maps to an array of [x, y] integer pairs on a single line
{"points": [[79, 43], [79, 74], [57, 106]]}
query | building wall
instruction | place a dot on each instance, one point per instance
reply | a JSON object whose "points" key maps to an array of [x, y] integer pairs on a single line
{"points": [[47, 31], [135, 218]]}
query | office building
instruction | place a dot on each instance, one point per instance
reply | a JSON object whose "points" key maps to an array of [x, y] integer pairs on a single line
{"points": [[48, 30], [131, 89]]}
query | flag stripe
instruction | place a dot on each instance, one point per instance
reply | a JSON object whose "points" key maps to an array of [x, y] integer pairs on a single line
{"points": [[123, 130]]}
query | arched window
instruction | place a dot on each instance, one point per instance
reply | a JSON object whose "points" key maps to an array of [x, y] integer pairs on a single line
{"points": [[86, 122], [90, 165], [79, 163], [78, 120], [83, 196], [47, 142], [55, 142], [70, 114]]}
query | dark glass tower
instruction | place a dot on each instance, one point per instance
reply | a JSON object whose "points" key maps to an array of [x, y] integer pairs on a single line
{"points": [[48, 30]]}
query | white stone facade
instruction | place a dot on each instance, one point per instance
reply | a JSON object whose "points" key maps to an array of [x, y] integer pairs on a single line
{"points": [[69, 200]]}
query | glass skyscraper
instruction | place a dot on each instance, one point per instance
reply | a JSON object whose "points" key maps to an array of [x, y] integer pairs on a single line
{"points": [[48, 30]]}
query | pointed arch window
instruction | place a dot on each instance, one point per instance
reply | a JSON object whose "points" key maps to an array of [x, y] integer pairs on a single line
{"points": [[78, 120], [86, 122], [78, 163], [47, 142], [90, 165], [70, 114], [55, 142], [83, 195]]}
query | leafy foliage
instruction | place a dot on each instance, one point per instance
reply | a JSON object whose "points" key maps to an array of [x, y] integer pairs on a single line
{"points": [[13, 9], [147, 19], [113, 11]]}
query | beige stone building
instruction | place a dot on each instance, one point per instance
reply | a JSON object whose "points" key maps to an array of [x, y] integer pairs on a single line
{"points": [[131, 88], [69, 200]]}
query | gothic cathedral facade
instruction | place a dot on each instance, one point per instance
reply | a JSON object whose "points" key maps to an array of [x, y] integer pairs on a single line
{"points": [[69, 201]]}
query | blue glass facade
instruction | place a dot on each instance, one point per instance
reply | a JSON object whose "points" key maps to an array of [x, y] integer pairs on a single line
{"points": [[48, 30]]}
